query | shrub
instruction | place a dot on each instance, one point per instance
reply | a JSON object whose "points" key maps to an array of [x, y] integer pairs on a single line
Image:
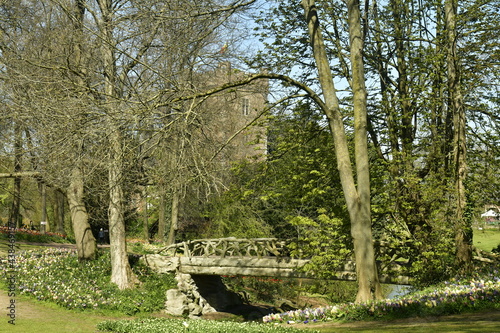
{"points": [[325, 240]]}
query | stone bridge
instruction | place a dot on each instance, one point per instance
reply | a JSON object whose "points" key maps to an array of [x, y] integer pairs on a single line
{"points": [[199, 264], [253, 257]]}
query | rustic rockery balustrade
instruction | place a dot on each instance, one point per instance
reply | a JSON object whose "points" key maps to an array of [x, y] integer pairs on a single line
{"points": [[228, 247], [228, 256]]}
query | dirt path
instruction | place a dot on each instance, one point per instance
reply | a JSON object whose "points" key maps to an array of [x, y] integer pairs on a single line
{"points": [[57, 245]]}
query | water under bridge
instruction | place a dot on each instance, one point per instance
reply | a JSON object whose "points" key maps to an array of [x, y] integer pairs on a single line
{"points": [[258, 257]]}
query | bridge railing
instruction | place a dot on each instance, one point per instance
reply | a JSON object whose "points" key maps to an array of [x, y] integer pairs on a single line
{"points": [[258, 247], [227, 247]]}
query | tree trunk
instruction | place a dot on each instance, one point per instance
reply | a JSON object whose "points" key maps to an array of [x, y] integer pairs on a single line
{"points": [[44, 224], [145, 224], [15, 216], [161, 218], [174, 218], [361, 224], [121, 273], [59, 211], [85, 240], [358, 200], [463, 228]]}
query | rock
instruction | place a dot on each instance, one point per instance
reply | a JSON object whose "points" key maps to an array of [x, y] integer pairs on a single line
{"points": [[207, 308], [287, 305], [176, 303], [195, 309], [186, 299], [184, 282]]}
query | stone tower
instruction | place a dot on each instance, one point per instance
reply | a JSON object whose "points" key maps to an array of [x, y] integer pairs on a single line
{"points": [[237, 116]]}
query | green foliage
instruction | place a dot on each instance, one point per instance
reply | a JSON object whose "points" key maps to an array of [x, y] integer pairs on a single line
{"points": [[325, 240], [160, 325], [298, 177], [231, 218], [4, 197], [58, 276], [140, 247], [413, 173], [262, 289], [282, 48], [432, 261], [333, 291]]}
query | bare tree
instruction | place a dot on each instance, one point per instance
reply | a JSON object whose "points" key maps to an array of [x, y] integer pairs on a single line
{"points": [[143, 44], [96, 73], [15, 216]]}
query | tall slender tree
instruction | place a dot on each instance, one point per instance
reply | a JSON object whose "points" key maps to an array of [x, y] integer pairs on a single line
{"points": [[463, 227], [357, 196], [85, 241]]}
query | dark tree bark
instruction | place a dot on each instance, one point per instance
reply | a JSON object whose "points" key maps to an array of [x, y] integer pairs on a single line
{"points": [[59, 211]]}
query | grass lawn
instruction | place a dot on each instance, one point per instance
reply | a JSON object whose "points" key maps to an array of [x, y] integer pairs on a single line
{"points": [[34, 316], [486, 239], [40, 317]]}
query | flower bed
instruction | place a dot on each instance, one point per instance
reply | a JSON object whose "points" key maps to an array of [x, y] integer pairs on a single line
{"points": [[455, 296], [57, 276], [162, 325], [35, 235]]}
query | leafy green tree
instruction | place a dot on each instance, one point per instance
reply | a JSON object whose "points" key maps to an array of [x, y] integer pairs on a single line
{"points": [[417, 64], [356, 190], [426, 156]]}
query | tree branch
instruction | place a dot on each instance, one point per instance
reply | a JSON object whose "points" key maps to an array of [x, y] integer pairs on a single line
{"points": [[279, 77], [20, 174]]}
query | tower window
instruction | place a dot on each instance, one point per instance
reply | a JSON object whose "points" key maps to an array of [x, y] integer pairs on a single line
{"points": [[245, 106]]}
